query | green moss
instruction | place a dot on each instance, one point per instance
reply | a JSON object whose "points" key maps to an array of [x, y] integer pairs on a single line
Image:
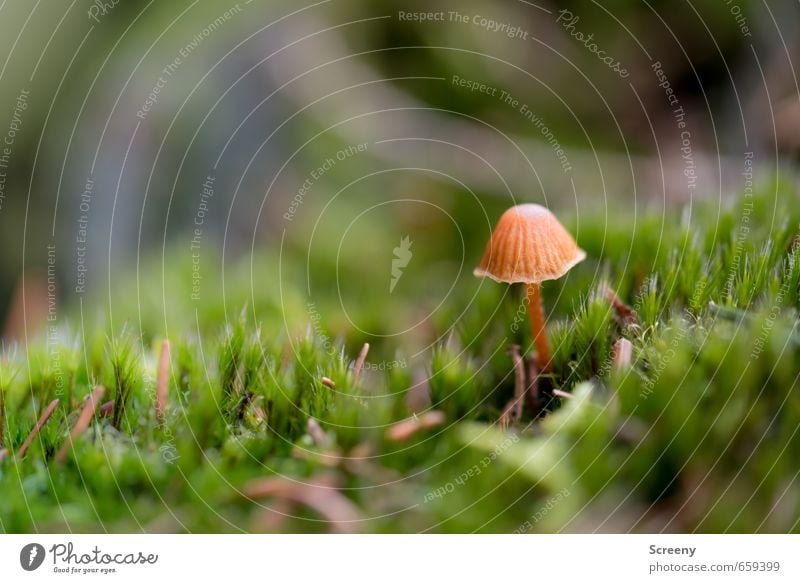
{"points": [[700, 433]]}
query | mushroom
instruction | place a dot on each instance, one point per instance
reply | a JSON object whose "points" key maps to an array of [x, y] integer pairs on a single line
{"points": [[530, 246]]}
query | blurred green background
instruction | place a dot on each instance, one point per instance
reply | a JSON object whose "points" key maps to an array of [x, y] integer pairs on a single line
{"points": [[145, 102]]}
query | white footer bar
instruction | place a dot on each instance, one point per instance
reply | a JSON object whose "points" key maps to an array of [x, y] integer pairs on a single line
{"points": [[406, 559]]}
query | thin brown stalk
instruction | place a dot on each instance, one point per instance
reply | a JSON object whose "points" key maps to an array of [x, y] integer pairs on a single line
{"points": [[405, 429], [359, 461], [362, 358], [342, 515], [45, 416], [273, 517], [82, 424], [538, 330], [162, 381], [506, 416], [624, 314]]}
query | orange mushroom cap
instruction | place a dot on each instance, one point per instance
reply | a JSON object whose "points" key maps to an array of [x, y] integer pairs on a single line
{"points": [[529, 245]]}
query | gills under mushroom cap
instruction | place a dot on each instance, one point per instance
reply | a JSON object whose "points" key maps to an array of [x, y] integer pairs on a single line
{"points": [[529, 245]]}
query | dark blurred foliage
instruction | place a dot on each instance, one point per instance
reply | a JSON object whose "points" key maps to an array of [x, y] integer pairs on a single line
{"points": [[275, 88]]}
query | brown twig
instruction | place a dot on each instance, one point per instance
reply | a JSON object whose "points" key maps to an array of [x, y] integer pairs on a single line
{"points": [[337, 509], [45, 416], [84, 419], [358, 458], [624, 314], [272, 518], [162, 380], [362, 358], [405, 429]]}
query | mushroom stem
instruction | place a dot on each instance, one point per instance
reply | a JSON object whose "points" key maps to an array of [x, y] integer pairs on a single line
{"points": [[536, 314]]}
